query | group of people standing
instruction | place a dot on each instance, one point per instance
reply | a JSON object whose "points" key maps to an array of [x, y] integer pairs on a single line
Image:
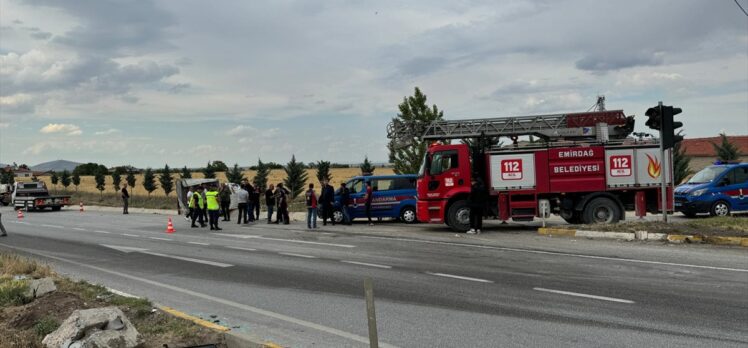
{"points": [[326, 201], [205, 204]]}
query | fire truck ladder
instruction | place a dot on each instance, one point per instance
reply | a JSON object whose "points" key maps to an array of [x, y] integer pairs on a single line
{"points": [[595, 125]]}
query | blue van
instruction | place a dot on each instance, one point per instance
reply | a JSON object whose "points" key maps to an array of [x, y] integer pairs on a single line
{"points": [[717, 190], [394, 196]]}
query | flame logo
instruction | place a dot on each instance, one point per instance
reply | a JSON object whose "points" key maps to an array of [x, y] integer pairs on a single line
{"points": [[654, 167]]}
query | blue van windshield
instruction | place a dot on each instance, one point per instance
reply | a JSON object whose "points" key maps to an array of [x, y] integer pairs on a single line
{"points": [[707, 174]]}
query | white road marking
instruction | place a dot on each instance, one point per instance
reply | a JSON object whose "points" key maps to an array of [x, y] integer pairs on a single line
{"points": [[121, 293], [612, 299], [130, 235], [128, 250], [237, 305], [198, 243], [460, 277], [53, 226], [240, 248], [79, 229], [104, 232], [299, 255], [563, 254], [284, 240], [159, 238], [365, 264]]}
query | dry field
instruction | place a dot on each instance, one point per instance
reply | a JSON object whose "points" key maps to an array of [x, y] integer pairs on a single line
{"points": [[338, 175]]}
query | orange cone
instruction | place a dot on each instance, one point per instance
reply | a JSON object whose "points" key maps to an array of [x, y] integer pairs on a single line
{"points": [[81, 207], [20, 214], [170, 227]]}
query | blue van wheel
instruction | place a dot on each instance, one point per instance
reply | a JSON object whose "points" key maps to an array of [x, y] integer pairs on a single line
{"points": [[720, 208], [408, 215]]}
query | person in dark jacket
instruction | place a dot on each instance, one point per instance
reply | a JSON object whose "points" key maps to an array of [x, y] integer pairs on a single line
{"points": [[283, 204], [345, 199], [476, 202], [368, 199], [125, 199], [257, 195], [326, 198], [270, 202], [225, 197], [252, 202]]}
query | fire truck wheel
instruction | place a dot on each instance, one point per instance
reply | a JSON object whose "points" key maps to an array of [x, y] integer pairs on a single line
{"points": [[408, 215], [720, 208], [601, 211], [459, 216]]}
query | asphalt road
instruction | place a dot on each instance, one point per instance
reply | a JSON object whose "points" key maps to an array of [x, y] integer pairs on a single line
{"points": [[508, 287]]}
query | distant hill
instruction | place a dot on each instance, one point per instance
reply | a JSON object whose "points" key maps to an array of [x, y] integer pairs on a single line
{"points": [[56, 166]]}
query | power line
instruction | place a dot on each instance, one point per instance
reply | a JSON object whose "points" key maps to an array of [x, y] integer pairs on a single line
{"points": [[741, 7]]}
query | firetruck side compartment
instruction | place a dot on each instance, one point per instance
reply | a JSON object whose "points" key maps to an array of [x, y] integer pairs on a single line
{"points": [[576, 169], [513, 171]]}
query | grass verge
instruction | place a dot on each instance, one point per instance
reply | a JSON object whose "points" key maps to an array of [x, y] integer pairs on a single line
{"points": [[24, 323]]}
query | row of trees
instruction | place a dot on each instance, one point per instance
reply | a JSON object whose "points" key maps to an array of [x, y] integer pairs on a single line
{"points": [[296, 175]]}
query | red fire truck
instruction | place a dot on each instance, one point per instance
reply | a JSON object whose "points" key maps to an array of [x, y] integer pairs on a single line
{"points": [[585, 169]]}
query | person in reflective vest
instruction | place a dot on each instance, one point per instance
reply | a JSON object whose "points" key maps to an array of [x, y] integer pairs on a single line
{"points": [[197, 205], [214, 208]]}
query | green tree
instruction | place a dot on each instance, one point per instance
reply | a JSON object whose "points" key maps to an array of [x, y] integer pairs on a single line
{"points": [[100, 178], [416, 114], [209, 172], [219, 166], [167, 182], [367, 168], [131, 179], [76, 180], [7, 177], [261, 177], [186, 174], [323, 171], [296, 177], [54, 179], [149, 181], [116, 180], [726, 151], [65, 179], [235, 175], [681, 163]]}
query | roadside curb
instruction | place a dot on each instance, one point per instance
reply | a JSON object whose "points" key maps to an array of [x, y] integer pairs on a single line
{"points": [[644, 235], [232, 339]]}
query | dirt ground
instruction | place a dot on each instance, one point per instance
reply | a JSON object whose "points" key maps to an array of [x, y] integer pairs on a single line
{"points": [[730, 226]]}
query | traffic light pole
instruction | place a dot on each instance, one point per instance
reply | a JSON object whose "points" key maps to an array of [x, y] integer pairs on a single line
{"points": [[663, 173]]}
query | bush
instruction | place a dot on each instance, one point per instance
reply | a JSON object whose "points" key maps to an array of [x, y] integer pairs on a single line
{"points": [[11, 293], [46, 326]]}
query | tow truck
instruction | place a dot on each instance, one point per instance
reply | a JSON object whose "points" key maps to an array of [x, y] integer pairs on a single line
{"points": [[586, 168], [35, 196]]}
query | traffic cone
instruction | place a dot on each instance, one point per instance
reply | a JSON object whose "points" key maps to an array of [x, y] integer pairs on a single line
{"points": [[170, 227], [20, 214], [81, 207]]}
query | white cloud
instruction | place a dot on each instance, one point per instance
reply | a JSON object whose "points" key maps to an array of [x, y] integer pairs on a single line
{"points": [[67, 129], [107, 132], [4, 125]]}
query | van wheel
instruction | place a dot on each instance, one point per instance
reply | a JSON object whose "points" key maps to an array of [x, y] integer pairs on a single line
{"points": [[720, 208], [337, 215], [601, 210], [408, 215], [459, 216]]}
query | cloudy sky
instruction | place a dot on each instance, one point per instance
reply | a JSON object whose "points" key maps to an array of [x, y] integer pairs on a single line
{"points": [[183, 82]]}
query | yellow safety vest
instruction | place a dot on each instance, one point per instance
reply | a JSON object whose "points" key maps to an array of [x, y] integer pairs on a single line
{"points": [[212, 197], [199, 200]]}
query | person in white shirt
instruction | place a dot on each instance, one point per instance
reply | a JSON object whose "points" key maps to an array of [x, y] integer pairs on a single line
{"points": [[242, 197], [189, 211]]}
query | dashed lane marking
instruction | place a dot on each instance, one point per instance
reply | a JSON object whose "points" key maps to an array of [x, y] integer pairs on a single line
{"points": [[240, 248], [198, 243], [460, 277], [366, 264], [79, 229], [130, 235], [562, 254], [159, 238], [104, 232], [299, 255], [244, 236], [576, 294], [53, 226]]}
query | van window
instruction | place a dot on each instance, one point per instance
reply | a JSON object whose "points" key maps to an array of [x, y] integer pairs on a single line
{"points": [[443, 161], [356, 186], [738, 176], [405, 184], [382, 184]]}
